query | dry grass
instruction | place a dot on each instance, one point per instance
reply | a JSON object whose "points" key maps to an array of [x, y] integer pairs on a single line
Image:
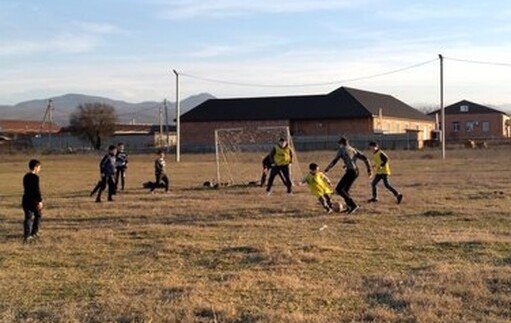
{"points": [[235, 255]]}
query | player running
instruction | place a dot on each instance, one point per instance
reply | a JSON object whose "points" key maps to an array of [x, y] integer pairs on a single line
{"points": [[382, 166], [107, 170], [349, 156], [320, 186]]}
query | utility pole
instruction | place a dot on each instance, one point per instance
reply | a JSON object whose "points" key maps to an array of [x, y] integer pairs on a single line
{"points": [[442, 108], [166, 125], [48, 119], [160, 122], [178, 120]]}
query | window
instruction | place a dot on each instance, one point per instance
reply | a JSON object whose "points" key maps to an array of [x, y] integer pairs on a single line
{"points": [[470, 125], [486, 126], [455, 126], [464, 108]]}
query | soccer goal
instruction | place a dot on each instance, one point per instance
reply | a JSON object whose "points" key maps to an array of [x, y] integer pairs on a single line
{"points": [[240, 151]]}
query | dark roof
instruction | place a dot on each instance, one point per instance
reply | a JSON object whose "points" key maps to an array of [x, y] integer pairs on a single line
{"points": [[26, 127], [473, 108], [341, 103]]}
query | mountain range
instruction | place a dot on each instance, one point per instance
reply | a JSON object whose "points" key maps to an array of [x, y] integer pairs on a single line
{"points": [[142, 112]]}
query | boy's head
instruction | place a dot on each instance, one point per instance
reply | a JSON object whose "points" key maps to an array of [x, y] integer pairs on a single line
{"points": [[160, 153], [282, 142], [343, 142], [120, 146], [373, 145], [313, 168], [112, 149], [34, 165]]}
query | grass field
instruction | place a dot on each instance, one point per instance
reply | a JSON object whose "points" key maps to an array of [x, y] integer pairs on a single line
{"points": [[236, 255]]}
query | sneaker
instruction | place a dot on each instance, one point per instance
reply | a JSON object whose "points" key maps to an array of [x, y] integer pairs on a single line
{"points": [[329, 211], [28, 239], [290, 194], [110, 200], [98, 200], [268, 193], [373, 200], [36, 236], [353, 209], [399, 198]]}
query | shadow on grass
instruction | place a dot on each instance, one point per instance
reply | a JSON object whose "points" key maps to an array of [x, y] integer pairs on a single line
{"points": [[387, 293], [436, 213]]}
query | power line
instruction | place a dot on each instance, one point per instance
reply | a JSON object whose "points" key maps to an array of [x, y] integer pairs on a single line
{"points": [[478, 62], [212, 80], [139, 110]]}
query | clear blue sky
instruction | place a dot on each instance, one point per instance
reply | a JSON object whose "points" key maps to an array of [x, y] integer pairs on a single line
{"points": [[125, 49]]}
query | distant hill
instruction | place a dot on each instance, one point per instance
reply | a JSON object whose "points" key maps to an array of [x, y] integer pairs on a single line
{"points": [[143, 112]]}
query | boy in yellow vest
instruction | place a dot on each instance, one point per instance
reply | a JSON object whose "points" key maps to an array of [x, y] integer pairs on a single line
{"points": [[281, 157], [382, 167], [320, 186]]}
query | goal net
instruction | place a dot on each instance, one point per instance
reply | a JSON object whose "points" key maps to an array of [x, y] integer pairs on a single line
{"points": [[240, 151]]}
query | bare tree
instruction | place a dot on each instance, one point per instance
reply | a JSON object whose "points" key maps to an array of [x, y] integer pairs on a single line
{"points": [[93, 122]]}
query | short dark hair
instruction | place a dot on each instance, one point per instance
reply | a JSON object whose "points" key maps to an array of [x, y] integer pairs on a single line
{"points": [[159, 152], [343, 141], [282, 139], [313, 166], [120, 144], [111, 147], [33, 163], [373, 144]]}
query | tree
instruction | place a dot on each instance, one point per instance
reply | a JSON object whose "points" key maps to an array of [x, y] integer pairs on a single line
{"points": [[93, 122]]}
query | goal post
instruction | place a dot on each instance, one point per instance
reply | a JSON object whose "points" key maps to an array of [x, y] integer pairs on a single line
{"points": [[239, 153]]}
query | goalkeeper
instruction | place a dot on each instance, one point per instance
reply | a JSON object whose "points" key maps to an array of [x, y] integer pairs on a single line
{"points": [[281, 157], [266, 169]]}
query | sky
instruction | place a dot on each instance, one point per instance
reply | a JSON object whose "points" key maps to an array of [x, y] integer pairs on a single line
{"points": [[126, 49]]}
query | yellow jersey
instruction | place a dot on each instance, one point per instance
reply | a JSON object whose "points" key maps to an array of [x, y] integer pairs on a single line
{"points": [[283, 156], [379, 158], [318, 184]]}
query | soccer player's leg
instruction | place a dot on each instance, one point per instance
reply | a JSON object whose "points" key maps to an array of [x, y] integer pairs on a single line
{"points": [[397, 195], [271, 178], [286, 178], [374, 186]]}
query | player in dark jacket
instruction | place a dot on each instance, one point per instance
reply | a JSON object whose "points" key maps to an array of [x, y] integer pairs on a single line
{"points": [[121, 165], [107, 171], [32, 201], [349, 156]]}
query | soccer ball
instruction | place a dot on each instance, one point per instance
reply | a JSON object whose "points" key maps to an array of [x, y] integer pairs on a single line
{"points": [[337, 207]]}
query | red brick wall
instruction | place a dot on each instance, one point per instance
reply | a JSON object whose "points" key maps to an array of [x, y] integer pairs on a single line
{"points": [[203, 133], [332, 127], [495, 120]]}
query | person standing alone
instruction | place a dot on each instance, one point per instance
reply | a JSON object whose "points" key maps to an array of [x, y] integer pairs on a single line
{"points": [[121, 164], [349, 156], [32, 202]]}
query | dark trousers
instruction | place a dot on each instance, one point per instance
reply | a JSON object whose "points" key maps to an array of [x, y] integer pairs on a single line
{"points": [[344, 186], [101, 186], [32, 222], [325, 201], [265, 174], [385, 178], [161, 178], [120, 172], [284, 175]]}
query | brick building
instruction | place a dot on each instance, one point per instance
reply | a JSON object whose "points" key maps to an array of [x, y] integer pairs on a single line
{"points": [[468, 120], [343, 111]]}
